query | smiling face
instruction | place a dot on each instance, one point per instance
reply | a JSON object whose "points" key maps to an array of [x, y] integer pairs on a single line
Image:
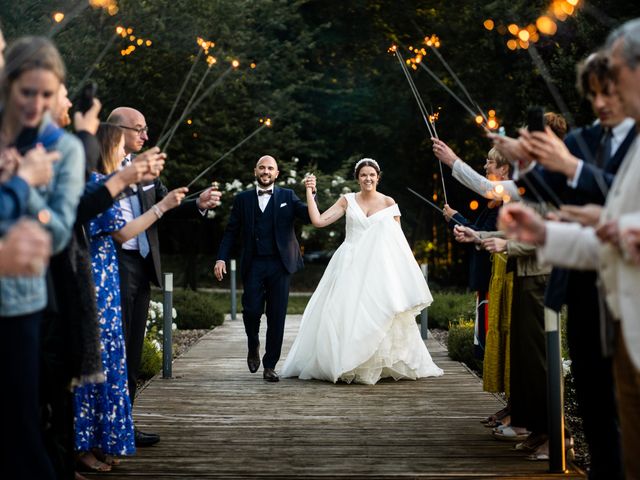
{"points": [[266, 171], [30, 96], [368, 179]]}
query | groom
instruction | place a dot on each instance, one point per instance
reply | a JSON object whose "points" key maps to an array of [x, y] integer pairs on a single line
{"points": [[265, 215]]}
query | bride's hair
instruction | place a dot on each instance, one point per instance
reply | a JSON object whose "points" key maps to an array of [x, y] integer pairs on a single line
{"points": [[366, 162]]}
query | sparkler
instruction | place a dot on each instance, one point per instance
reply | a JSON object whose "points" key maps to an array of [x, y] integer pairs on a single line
{"points": [[428, 118], [169, 136], [265, 123], [181, 91]]}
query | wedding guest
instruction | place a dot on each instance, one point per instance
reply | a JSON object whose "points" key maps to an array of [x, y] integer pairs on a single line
{"points": [[103, 421], [29, 84], [139, 257], [24, 250]]}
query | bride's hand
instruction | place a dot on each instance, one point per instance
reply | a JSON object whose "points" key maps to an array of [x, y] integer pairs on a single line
{"points": [[310, 183]]}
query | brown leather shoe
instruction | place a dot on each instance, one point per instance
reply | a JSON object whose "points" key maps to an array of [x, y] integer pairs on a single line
{"points": [[270, 375], [253, 359]]}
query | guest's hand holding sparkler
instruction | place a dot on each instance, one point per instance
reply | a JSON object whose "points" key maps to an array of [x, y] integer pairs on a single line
{"points": [[35, 167], [550, 151], [630, 243], [154, 159], [586, 215], [511, 149], [495, 245], [609, 232], [210, 198], [522, 223], [443, 152], [88, 121], [448, 212], [465, 235]]}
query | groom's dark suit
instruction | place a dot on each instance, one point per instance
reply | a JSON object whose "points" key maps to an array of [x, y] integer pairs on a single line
{"points": [[271, 253]]}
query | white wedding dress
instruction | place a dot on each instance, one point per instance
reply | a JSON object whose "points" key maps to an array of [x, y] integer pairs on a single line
{"points": [[359, 325]]}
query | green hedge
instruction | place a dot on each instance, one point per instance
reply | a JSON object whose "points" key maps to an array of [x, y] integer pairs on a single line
{"points": [[460, 344], [195, 309], [151, 362], [450, 306]]}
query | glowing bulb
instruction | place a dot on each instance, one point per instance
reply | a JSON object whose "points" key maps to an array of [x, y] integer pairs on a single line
{"points": [[573, 2], [524, 35], [546, 25], [435, 197], [253, 65], [473, 205], [499, 189], [189, 122], [235, 64], [488, 24], [506, 198], [119, 30], [148, 43], [140, 41], [129, 31], [479, 119], [492, 124], [492, 113], [512, 44], [58, 17], [513, 29]]}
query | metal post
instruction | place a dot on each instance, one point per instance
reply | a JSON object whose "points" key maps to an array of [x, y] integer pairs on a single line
{"points": [[167, 307], [557, 460], [424, 315], [232, 278]]}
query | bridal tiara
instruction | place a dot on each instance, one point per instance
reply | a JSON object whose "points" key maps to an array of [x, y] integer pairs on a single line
{"points": [[370, 160]]}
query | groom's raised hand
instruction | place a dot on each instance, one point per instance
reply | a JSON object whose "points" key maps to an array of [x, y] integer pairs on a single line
{"points": [[220, 269]]}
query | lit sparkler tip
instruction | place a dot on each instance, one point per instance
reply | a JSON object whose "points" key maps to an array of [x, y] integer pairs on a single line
{"points": [[393, 48], [266, 121], [58, 17], [499, 189], [235, 63]]}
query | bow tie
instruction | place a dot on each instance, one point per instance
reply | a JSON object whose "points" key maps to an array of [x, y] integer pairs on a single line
{"points": [[265, 192]]}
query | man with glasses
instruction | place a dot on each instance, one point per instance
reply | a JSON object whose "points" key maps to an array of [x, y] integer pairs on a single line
{"points": [[139, 258]]}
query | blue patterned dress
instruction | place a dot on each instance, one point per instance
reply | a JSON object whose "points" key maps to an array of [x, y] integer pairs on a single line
{"points": [[103, 411]]}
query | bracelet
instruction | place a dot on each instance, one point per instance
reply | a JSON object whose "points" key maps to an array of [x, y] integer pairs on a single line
{"points": [[157, 211]]}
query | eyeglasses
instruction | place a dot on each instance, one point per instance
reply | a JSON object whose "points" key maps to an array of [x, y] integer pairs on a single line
{"points": [[139, 131]]}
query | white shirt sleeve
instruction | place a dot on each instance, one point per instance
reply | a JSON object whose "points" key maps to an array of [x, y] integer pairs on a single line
{"points": [[471, 179], [570, 245], [573, 182]]}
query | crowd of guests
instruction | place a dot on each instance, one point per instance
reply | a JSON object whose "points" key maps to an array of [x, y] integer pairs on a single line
{"points": [[79, 251], [563, 229]]}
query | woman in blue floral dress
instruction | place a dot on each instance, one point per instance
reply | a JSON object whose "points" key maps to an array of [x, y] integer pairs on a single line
{"points": [[103, 420]]}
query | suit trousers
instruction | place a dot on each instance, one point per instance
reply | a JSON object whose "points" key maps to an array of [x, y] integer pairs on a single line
{"points": [[593, 377], [135, 295], [528, 380], [22, 451], [628, 392], [266, 284]]}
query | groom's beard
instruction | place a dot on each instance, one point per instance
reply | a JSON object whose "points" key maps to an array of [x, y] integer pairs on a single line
{"points": [[265, 181]]}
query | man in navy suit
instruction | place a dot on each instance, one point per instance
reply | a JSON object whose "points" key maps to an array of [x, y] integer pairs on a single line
{"points": [[265, 216]]}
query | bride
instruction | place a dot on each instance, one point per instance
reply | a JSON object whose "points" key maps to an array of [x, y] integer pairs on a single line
{"points": [[359, 325]]}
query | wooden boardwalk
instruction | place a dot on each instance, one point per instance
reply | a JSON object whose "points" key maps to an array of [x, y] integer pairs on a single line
{"points": [[218, 420]]}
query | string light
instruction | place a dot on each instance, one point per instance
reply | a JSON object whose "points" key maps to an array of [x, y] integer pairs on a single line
{"points": [[110, 6], [127, 34], [58, 17], [473, 205]]}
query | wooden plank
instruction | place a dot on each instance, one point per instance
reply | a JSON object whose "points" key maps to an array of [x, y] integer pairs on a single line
{"points": [[217, 420]]}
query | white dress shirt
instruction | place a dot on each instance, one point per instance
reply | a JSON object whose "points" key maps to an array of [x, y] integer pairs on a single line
{"points": [[127, 212], [263, 199]]}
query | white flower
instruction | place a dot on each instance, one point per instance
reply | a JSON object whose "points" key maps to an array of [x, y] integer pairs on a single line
{"points": [[152, 315], [334, 183], [346, 190], [174, 327], [295, 159], [281, 183], [291, 181], [332, 233], [566, 367], [174, 313], [305, 234], [156, 345], [292, 173]]}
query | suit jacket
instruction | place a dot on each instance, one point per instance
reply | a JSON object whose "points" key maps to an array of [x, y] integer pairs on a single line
{"points": [[150, 194], [480, 260], [573, 246], [589, 189], [286, 208]]}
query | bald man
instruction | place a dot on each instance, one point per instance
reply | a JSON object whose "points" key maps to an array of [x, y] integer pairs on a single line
{"points": [[265, 215], [139, 258]]}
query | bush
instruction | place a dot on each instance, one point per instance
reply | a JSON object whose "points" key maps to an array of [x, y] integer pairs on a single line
{"points": [[151, 362], [196, 310], [460, 344], [449, 306]]}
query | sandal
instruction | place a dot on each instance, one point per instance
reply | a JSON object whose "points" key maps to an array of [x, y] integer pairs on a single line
{"points": [[532, 442], [510, 434], [87, 462], [542, 453]]}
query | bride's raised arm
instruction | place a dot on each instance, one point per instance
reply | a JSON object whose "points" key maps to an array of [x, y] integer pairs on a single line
{"points": [[334, 213]]}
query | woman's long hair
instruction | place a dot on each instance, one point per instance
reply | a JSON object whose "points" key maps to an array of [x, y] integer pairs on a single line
{"points": [[109, 137]]}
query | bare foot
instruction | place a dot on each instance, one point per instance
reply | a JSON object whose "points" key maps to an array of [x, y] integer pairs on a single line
{"points": [[89, 463]]}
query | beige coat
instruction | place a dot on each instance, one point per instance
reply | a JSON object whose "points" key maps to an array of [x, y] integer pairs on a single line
{"points": [[573, 246]]}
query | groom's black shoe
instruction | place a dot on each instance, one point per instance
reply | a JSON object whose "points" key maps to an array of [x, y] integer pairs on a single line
{"points": [[145, 439], [253, 359], [270, 375]]}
